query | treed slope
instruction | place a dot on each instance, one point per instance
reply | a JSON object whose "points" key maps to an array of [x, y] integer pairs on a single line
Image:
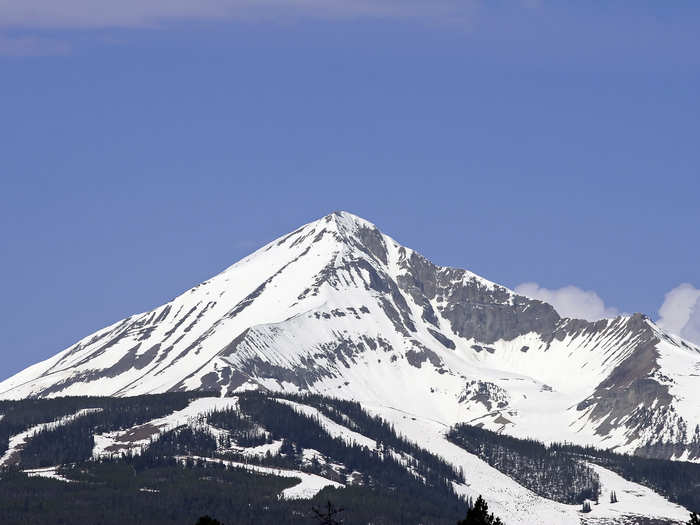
{"points": [[169, 477], [317, 442], [544, 470], [169, 494]]}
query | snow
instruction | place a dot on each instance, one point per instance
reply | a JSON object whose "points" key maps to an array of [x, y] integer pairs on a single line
{"points": [[334, 429], [680, 369], [283, 311], [47, 472], [18, 441], [289, 321], [509, 500], [261, 450], [633, 500], [344, 433], [135, 439], [513, 503], [309, 484]]}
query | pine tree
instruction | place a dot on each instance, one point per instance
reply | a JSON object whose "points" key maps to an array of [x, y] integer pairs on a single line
{"points": [[478, 515], [329, 516], [287, 448], [207, 520], [586, 506]]}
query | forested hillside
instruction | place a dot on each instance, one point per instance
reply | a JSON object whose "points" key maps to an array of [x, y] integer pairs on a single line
{"points": [[678, 480], [381, 485], [129, 491], [544, 470], [559, 471], [269, 458]]}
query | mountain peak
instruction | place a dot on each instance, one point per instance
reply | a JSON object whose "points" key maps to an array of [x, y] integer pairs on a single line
{"points": [[355, 232], [347, 221], [338, 307]]}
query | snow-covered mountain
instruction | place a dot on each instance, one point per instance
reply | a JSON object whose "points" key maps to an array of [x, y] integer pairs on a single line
{"points": [[339, 308]]}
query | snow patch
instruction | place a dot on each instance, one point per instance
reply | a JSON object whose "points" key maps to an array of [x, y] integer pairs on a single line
{"points": [[47, 472], [309, 484], [136, 439]]}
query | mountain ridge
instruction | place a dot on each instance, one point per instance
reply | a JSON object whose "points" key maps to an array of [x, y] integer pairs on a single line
{"points": [[337, 307]]}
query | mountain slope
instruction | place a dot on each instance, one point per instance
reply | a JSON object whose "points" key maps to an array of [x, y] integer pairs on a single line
{"points": [[339, 308], [407, 464]]}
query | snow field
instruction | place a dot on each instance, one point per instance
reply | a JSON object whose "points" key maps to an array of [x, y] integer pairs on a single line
{"points": [[515, 504], [309, 484]]}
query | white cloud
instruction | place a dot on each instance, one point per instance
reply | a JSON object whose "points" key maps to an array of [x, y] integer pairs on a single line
{"points": [[570, 301], [680, 312], [135, 13], [31, 46]]}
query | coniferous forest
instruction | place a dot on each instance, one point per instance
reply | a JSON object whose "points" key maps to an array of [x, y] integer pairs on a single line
{"points": [[544, 470], [74, 441], [154, 487], [538, 467], [166, 483]]}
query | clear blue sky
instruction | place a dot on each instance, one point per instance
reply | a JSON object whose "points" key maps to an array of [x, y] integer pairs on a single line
{"points": [[141, 153]]}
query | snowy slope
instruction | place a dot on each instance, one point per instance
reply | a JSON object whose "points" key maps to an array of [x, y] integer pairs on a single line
{"points": [[514, 503], [339, 308]]}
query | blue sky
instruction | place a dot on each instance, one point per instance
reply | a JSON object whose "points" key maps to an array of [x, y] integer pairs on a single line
{"points": [[147, 145]]}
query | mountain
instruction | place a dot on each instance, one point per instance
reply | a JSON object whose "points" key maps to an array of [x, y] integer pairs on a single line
{"points": [[269, 458], [341, 309]]}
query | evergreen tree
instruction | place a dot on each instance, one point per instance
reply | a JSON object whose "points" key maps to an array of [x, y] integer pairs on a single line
{"points": [[287, 448], [586, 506], [478, 514], [207, 520], [539, 467], [329, 516]]}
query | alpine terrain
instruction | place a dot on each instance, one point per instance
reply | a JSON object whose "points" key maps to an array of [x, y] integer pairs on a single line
{"points": [[451, 362]]}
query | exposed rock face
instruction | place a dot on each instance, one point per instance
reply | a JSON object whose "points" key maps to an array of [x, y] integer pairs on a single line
{"points": [[339, 308], [630, 384], [474, 309]]}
